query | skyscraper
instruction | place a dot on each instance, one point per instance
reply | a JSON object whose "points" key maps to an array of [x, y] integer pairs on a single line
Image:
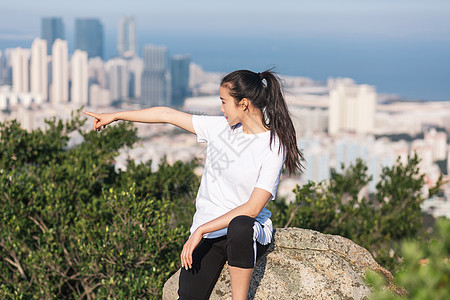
{"points": [[80, 77], [126, 42], [60, 72], [39, 68], [155, 77], [135, 67], [97, 74], [180, 78], [117, 74], [51, 29], [20, 70], [89, 36], [352, 107], [7, 74]]}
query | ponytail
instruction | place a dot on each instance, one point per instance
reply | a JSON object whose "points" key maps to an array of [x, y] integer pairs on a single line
{"points": [[265, 93]]}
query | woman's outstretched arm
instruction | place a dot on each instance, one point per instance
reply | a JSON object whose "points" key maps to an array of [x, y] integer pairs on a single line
{"points": [[148, 115]]}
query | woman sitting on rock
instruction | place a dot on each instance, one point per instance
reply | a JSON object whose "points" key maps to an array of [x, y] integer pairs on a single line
{"points": [[246, 151]]}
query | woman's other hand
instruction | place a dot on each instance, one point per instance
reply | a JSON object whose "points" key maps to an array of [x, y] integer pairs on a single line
{"points": [[100, 120], [188, 248]]}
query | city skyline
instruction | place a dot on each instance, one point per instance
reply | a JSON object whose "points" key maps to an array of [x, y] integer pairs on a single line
{"points": [[400, 47]]}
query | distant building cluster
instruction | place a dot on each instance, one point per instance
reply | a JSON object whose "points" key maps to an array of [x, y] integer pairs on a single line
{"points": [[337, 122], [47, 73]]}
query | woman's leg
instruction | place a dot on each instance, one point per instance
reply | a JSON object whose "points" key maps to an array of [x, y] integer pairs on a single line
{"points": [[240, 281], [242, 249], [208, 258]]}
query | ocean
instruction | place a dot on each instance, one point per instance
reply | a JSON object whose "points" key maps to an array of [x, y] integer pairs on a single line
{"points": [[410, 68]]}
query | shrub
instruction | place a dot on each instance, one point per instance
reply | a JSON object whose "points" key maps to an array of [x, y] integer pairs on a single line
{"points": [[73, 227], [426, 269]]}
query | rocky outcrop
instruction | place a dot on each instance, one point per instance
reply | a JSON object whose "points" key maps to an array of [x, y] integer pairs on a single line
{"points": [[302, 264]]}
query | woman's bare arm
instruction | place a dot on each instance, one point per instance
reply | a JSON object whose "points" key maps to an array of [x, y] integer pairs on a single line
{"points": [[251, 208], [147, 115]]}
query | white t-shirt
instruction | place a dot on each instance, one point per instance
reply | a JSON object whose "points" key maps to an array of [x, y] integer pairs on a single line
{"points": [[236, 163]]}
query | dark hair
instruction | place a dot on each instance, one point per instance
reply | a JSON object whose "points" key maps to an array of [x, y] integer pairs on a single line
{"points": [[265, 93]]}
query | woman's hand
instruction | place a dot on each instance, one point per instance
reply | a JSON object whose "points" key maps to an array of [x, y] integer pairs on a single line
{"points": [[188, 248], [101, 120]]}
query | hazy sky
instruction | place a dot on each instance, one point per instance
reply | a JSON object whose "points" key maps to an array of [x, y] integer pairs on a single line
{"points": [[406, 19]]}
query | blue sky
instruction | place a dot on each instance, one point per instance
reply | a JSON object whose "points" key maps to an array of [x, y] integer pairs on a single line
{"points": [[405, 19]]}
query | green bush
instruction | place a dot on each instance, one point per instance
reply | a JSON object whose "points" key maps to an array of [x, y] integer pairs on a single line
{"points": [[378, 222], [426, 269], [73, 227]]}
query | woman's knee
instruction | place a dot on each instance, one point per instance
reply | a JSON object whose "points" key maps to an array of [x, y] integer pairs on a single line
{"points": [[241, 228], [240, 242]]}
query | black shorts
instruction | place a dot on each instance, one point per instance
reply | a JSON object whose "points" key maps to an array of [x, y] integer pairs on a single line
{"points": [[240, 247]]}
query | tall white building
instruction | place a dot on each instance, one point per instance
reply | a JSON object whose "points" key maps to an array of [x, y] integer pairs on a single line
{"points": [[352, 107], [80, 77], [156, 77], [97, 73], [39, 68], [135, 67], [60, 72], [438, 143], [126, 42], [117, 78], [7, 74], [20, 70]]}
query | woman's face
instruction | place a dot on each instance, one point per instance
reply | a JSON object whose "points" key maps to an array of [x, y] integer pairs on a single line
{"points": [[229, 108]]}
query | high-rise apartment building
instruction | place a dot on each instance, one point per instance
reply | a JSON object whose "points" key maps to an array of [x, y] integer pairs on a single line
{"points": [[51, 29], [39, 68], [135, 67], [20, 70], [352, 107], [126, 42], [80, 77], [97, 74], [155, 89], [118, 79], [7, 74], [89, 36], [438, 142], [180, 78], [60, 72]]}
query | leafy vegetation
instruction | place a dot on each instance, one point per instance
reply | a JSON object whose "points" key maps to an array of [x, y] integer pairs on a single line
{"points": [[426, 269], [377, 222], [72, 226]]}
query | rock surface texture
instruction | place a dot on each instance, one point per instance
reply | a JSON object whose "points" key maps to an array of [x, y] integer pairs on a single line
{"points": [[302, 264]]}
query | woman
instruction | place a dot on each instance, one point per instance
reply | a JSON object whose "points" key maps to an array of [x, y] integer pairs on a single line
{"points": [[245, 156]]}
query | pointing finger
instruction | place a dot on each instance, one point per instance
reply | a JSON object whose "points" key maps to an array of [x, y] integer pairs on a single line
{"points": [[90, 113]]}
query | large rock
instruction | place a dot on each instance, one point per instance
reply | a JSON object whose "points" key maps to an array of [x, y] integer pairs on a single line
{"points": [[302, 264]]}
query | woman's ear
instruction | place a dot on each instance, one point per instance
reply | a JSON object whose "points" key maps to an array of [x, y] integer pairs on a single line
{"points": [[244, 103]]}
